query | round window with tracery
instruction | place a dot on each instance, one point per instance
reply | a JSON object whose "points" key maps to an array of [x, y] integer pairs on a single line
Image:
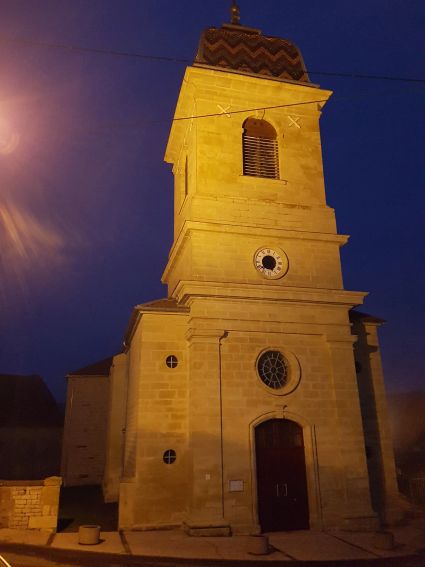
{"points": [[272, 368]]}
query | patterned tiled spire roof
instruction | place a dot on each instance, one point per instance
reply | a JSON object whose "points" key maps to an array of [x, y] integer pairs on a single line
{"points": [[247, 50]]}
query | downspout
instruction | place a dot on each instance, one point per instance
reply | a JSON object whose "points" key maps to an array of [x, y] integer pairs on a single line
{"points": [[223, 336], [66, 428], [124, 425]]}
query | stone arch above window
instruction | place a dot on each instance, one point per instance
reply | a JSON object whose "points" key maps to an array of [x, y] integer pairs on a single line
{"points": [[260, 149]]}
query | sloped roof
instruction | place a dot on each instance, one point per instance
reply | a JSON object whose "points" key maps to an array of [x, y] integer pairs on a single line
{"points": [[25, 401], [165, 304], [360, 316], [238, 48], [100, 368]]}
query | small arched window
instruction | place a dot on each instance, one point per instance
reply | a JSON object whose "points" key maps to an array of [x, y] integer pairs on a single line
{"points": [[260, 151]]}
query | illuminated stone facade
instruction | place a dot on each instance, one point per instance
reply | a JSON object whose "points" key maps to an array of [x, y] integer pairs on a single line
{"points": [[87, 414], [227, 306]]}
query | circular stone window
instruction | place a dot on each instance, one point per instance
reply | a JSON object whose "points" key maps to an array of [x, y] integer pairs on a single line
{"points": [[169, 456], [171, 361], [272, 368], [279, 372]]}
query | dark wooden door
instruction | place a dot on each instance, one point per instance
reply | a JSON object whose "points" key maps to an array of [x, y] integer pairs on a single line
{"points": [[281, 476]]}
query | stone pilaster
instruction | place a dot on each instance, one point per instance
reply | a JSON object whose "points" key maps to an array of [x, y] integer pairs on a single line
{"points": [[357, 510], [390, 501], [206, 507]]}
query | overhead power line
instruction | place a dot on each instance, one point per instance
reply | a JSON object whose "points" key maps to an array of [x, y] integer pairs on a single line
{"points": [[80, 49], [138, 55], [262, 109], [211, 115]]}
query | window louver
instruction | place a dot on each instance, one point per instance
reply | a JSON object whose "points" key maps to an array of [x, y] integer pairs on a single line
{"points": [[260, 149], [260, 157]]}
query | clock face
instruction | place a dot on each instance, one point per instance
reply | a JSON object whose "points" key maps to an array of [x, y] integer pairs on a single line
{"points": [[271, 263]]}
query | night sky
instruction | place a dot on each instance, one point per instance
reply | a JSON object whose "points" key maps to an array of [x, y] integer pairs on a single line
{"points": [[86, 199]]}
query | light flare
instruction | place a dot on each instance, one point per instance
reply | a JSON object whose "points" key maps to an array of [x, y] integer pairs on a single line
{"points": [[9, 145], [27, 236], [29, 249], [9, 139]]}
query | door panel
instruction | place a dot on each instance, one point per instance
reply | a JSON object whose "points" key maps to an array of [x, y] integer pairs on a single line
{"points": [[281, 476]]}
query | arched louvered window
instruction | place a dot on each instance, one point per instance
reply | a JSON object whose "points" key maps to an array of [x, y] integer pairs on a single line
{"points": [[260, 151]]}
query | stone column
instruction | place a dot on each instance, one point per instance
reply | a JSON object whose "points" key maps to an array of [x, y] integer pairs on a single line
{"points": [[205, 513], [357, 509], [391, 512]]}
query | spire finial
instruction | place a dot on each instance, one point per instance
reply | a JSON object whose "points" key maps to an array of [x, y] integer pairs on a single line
{"points": [[235, 14]]}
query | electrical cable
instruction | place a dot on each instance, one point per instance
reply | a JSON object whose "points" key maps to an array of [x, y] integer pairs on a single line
{"points": [[244, 110], [138, 55]]}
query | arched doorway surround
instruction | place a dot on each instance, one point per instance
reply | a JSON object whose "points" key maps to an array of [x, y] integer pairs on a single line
{"points": [[312, 505]]}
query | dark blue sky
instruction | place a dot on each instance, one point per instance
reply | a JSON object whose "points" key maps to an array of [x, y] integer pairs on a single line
{"points": [[86, 200]]}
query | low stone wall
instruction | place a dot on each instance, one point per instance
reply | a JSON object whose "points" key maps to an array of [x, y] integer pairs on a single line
{"points": [[30, 504]]}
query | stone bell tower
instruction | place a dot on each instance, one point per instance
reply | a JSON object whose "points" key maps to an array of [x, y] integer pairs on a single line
{"points": [[261, 408], [248, 173]]}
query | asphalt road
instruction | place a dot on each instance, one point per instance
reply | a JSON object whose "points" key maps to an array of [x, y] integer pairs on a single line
{"points": [[25, 556]]}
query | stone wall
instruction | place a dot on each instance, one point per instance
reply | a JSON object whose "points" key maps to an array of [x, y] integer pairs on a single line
{"points": [[84, 437], [30, 504]]}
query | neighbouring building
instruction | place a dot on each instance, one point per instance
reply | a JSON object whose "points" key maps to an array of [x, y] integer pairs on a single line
{"points": [[86, 417], [407, 411], [30, 429], [252, 397]]}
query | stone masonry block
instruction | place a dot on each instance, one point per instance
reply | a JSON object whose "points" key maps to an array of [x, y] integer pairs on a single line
{"points": [[43, 522]]}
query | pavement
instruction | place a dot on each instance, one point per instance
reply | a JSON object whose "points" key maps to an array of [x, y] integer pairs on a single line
{"points": [[305, 545]]}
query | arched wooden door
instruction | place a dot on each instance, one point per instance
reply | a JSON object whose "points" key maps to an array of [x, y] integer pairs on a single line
{"points": [[281, 476]]}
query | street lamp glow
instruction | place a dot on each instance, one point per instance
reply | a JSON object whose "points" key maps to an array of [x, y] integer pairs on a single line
{"points": [[9, 140]]}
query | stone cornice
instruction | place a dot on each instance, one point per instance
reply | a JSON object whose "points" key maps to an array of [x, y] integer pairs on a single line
{"points": [[186, 291], [341, 341], [205, 335]]}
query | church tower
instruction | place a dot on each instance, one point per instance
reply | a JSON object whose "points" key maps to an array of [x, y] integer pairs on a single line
{"points": [[243, 409]]}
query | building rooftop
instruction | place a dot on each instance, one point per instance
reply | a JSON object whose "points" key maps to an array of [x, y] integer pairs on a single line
{"points": [[100, 368], [360, 316], [166, 304], [26, 401], [245, 50]]}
